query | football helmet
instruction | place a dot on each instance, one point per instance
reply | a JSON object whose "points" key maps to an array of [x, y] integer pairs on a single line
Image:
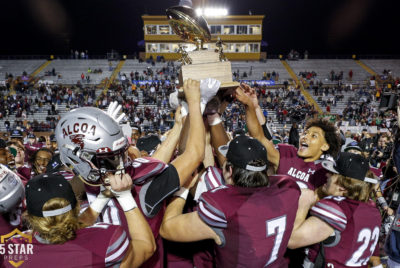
{"points": [[92, 143], [12, 190]]}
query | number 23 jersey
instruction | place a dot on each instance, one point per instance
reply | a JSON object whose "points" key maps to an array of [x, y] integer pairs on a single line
{"points": [[356, 226], [254, 224]]}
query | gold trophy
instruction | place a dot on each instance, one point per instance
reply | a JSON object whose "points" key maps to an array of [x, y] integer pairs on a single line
{"points": [[200, 63]]}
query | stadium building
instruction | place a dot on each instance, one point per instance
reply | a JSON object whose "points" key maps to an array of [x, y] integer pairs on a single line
{"points": [[241, 35]]}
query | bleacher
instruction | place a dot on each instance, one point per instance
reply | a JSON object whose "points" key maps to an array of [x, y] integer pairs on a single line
{"points": [[259, 68], [71, 71], [16, 67], [324, 67], [39, 116], [379, 65]]}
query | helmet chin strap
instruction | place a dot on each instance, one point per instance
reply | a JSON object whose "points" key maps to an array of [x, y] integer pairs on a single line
{"points": [[90, 184]]}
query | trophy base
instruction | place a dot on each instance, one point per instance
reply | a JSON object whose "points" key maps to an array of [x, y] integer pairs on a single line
{"points": [[206, 64]]}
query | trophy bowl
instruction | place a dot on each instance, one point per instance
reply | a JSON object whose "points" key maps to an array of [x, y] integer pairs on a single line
{"points": [[186, 24], [200, 63]]}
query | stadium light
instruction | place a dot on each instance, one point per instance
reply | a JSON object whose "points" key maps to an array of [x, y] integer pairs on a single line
{"points": [[211, 12]]}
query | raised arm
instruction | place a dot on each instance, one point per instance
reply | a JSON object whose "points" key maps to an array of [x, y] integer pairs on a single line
{"points": [[219, 136], [189, 160], [186, 227], [166, 150], [255, 128], [142, 244]]}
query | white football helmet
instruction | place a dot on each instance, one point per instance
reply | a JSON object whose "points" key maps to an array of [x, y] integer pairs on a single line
{"points": [[91, 143], [12, 190]]}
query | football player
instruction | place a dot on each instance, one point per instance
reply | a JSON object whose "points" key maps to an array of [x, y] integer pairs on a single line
{"points": [[92, 144], [344, 226], [60, 240], [303, 165], [250, 218]]}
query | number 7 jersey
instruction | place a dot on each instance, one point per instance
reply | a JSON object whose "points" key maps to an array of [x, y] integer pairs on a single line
{"points": [[254, 224], [356, 226]]}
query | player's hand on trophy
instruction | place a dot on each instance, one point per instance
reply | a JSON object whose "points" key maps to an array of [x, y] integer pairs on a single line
{"points": [[113, 110], [243, 97], [192, 91], [251, 92]]}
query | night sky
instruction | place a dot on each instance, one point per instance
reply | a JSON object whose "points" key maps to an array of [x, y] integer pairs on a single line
{"points": [[320, 26]]}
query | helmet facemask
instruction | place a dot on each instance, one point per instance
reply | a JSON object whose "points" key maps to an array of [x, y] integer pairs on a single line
{"points": [[106, 163]]}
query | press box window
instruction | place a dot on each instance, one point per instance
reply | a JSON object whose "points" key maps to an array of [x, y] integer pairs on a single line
{"points": [[152, 48], [255, 29], [164, 48], [240, 48], [229, 29], [229, 47], [174, 48], [215, 29], [164, 29], [151, 29], [241, 29], [254, 48]]}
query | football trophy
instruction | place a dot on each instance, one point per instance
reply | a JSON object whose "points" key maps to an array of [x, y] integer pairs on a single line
{"points": [[200, 63]]}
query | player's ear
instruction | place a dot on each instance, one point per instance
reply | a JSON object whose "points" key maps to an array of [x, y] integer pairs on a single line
{"points": [[325, 147]]}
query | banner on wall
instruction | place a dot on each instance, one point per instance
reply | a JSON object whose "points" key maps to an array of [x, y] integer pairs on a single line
{"points": [[167, 82]]}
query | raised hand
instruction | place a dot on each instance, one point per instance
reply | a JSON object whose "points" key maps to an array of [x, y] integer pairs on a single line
{"points": [[251, 92], [192, 91], [120, 182], [113, 110], [243, 97], [178, 116]]}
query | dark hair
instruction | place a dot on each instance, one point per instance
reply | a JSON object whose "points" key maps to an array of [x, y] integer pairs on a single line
{"points": [[249, 179], [330, 133], [44, 149]]}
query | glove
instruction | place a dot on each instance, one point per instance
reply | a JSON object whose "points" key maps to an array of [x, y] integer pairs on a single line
{"points": [[208, 89], [113, 110], [173, 100]]}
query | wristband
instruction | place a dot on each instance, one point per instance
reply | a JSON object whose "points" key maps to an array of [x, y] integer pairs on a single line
{"points": [[125, 199], [182, 193], [382, 202], [214, 119], [184, 109], [202, 107], [99, 203], [378, 266]]}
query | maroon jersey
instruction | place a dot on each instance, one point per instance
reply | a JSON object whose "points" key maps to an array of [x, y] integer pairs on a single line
{"points": [[25, 173], [254, 224], [30, 149], [153, 182], [356, 226], [309, 175], [100, 245], [377, 171]]}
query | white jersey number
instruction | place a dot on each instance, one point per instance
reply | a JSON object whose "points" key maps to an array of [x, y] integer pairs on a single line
{"points": [[365, 236], [276, 227]]}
